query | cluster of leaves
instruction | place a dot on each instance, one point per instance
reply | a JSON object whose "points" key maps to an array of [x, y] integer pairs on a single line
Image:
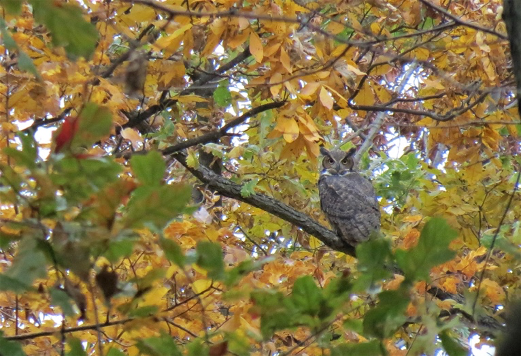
{"points": [[97, 226]]}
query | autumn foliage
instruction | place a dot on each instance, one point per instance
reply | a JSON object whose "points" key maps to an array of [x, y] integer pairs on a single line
{"points": [[159, 166]]}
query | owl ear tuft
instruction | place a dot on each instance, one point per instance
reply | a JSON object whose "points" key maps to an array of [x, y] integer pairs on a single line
{"points": [[350, 152], [324, 151]]}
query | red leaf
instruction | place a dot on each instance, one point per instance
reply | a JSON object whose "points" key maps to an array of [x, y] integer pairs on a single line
{"points": [[66, 133]]}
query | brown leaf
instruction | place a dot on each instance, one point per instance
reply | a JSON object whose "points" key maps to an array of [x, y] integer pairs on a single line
{"points": [[218, 349], [108, 282]]}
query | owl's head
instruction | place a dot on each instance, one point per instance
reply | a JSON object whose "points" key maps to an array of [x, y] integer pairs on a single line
{"points": [[337, 162]]}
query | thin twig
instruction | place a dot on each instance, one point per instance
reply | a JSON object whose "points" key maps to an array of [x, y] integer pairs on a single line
{"points": [[462, 22], [490, 250]]}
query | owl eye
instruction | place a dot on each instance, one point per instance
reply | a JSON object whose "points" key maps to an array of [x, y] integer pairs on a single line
{"points": [[329, 160], [344, 161]]}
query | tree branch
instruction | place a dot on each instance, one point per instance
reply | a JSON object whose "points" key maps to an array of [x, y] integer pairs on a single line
{"points": [[462, 22], [215, 135], [204, 79], [67, 331], [232, 190]]}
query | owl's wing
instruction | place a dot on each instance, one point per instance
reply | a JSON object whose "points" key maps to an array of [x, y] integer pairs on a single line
{"points": [[347, 195], [350, 205]]}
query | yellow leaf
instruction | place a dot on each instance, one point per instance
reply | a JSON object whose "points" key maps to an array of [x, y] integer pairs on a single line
{"points": [[376, 28], [271, 49], [288, 127], [383, 94], [341, 101], [201, 285], [412, 218], [285, 60], [338, 51], [192, 160], [309, 89], [256, 47], [171, 270], [421, 54], [326, 99], [191, 99], [336, 28], [238, 40], [174, 72], [314, 242], [276, 88], [133, 136], [232, 324], [365, 96]]}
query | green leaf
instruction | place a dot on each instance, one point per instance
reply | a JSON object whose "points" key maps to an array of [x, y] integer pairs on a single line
{"points": [[7, 39], [248, 188], [143, 312], [12, 6], [68, 27], [383, 320], [173, 251], [115, 352], [80, 178], [149, 169], [210, 257], [11, 348], [451, 346], [354, 325], [158, 346], [372, 257], [222, 95], [306, 296], [431, 250], [118, 249], [197, 348], [61, 299], [29, 152], [95, 122], [29, 264], [273, 309], [157, 205], [355, 349], [75, 347], [10, 284], [26, 63]]}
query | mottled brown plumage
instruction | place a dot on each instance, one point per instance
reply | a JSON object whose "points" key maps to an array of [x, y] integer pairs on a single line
{"points": [[347, 199]]}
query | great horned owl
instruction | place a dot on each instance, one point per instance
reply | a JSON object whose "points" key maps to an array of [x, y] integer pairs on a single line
{"points": [[347, 198]]}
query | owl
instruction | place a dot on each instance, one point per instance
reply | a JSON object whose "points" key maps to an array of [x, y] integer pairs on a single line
{"points": [[347, 199]]}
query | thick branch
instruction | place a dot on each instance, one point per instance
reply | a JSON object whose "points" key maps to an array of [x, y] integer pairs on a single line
{"points": [[232, 190]]}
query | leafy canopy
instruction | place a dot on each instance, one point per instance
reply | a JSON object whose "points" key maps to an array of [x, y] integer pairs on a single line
{"points": [[159, 162]]}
